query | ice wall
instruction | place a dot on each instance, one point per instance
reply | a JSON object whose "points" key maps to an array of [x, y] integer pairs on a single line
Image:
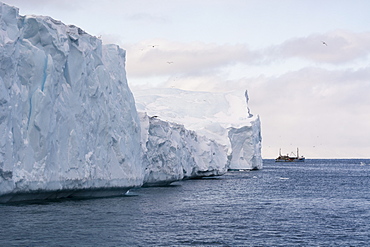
{"points": [[171, 152], [67, 117], [246, 146], [222, 117]]}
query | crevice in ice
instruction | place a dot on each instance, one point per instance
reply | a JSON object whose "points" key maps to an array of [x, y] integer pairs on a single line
{"points": [[66, 74], [6, 175], [29, 113], [45, 73]]}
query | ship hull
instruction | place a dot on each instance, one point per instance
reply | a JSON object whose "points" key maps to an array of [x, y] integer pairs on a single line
{"points": [[290, 160]]}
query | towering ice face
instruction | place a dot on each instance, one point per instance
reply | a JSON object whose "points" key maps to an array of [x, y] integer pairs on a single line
{"points": [[246, 146], [67, 117], [223, 117], [171, 152], [246, 143]]}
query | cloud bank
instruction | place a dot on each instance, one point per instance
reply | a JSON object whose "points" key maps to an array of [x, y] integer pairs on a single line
{"points": [[319, 103], [161, 57], [335, 47]]}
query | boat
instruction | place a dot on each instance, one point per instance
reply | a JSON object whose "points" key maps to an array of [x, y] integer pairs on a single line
{"points": [[288, 158]]}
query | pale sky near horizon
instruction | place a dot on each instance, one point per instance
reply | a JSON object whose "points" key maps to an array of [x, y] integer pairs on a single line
{"points": [[308, 94]]}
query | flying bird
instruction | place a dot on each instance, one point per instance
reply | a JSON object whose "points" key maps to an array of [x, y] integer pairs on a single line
{"points": [[324, 43]]}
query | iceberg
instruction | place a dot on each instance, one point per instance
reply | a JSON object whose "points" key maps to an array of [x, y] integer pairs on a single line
{"points": [[222, 117], [69, 125], [68, 121]]}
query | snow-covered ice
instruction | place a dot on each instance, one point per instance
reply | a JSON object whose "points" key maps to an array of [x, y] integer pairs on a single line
{"points": [[222, 117]]}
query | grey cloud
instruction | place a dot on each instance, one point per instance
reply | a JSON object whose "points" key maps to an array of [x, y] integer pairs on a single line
{"points": [[341, 47], [166, 58]]}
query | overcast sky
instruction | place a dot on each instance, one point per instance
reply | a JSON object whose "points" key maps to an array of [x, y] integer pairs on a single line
{"points": [[308, 94]]}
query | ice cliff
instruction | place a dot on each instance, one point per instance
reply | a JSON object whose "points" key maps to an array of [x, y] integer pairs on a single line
{"points": [[68, 120], [171, 152], [222, 117]]}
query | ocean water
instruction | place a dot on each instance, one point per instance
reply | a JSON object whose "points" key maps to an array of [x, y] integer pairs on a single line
{"points": [[316, 203]]}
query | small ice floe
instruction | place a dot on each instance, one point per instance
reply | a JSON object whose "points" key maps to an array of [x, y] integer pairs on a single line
{"points": [[362, 164], [130, 193], [283, 178], [254, 177]]}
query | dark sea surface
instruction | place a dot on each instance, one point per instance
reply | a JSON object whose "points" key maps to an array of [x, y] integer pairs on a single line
{"points": [[316, 203]]}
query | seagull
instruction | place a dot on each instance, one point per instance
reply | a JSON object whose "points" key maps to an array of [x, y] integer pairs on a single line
{"points": [[169, 62], [323, 42]]}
